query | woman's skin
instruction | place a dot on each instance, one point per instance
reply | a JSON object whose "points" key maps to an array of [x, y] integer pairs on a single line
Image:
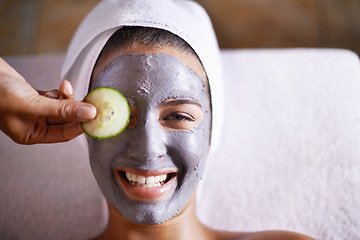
{"points": [[186, 224]]}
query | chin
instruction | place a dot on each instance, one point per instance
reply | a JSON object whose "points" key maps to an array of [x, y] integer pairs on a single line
{"points": [[157, 211]]}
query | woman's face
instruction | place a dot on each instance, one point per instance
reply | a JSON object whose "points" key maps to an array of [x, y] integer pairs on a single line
{"points": [[150, 171]]}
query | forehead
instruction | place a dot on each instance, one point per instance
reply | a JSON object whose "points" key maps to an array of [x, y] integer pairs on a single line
{"points": [[191, 60], [138, 74]]}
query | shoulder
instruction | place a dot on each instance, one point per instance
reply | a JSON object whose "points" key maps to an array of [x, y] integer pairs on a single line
{"points": [[263, 235], [278, 235]]}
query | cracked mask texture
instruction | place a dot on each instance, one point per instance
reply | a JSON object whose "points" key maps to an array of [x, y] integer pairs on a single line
{"points": [[149, 80]]}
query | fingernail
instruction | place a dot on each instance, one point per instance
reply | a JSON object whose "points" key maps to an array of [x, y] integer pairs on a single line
{"points": [[86, 112], [68, 88], [51, 95]]}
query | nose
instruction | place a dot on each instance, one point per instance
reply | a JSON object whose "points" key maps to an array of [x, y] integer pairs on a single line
{"points": [[148, 142]]}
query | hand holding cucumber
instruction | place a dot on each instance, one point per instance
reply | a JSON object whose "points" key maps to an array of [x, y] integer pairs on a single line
{"points": [[29, 116]]}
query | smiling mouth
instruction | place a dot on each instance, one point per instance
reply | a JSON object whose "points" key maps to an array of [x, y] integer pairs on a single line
{"points": [[145, 185], [147, 182]]}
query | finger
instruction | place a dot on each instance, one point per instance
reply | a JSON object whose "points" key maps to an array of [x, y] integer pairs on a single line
{"points": [[55, 94], [55, 121], [66, 90], [59, 133], [63, 133], [66, 110]]}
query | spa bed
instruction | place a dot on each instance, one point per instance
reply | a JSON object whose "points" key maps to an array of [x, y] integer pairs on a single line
{"points": [[289, 156]]}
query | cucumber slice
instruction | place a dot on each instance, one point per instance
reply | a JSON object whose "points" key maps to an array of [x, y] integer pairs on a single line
{"points": [[113, 113]]}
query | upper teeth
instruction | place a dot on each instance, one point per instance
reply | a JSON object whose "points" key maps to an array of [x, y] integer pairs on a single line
{"points": [[141, 181]]}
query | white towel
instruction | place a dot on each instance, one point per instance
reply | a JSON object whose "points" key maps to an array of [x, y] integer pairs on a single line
{"points": [[288, 158], [184, 18], [289, 155]]}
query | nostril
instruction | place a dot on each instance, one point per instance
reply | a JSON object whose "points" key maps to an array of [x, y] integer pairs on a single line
{"points": [[133, 156], [145, 158], [147, 144]]}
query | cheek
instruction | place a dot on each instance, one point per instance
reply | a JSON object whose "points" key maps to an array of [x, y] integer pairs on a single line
{"points": [[97, 157], [191, 147], [102, 153]]}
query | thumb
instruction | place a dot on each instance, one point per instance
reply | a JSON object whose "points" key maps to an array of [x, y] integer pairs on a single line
{"points": [[64, 109]]}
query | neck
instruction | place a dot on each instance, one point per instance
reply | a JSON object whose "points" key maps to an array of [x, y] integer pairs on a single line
{"points": [[184, 226]]}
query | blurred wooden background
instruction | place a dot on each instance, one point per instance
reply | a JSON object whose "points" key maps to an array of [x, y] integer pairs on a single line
{"points": [[46, 26]]}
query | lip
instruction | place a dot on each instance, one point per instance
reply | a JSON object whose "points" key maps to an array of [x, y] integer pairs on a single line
{"points": [[146, 193]]}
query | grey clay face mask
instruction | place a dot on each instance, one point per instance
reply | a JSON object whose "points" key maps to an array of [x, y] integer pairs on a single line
{"points": [[150, 149]]}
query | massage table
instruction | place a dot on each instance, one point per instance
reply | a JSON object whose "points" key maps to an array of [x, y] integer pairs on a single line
{"points": [[288, 158]]}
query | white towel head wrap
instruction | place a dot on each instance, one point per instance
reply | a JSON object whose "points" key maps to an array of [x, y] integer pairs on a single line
{"points": [[184, 18]]}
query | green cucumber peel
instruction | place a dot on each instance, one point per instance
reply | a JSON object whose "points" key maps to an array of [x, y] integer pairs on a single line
{"points": [[113, 113]]}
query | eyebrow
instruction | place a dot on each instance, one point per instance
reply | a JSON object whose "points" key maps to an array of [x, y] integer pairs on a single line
{"points": [[176, 102]]}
